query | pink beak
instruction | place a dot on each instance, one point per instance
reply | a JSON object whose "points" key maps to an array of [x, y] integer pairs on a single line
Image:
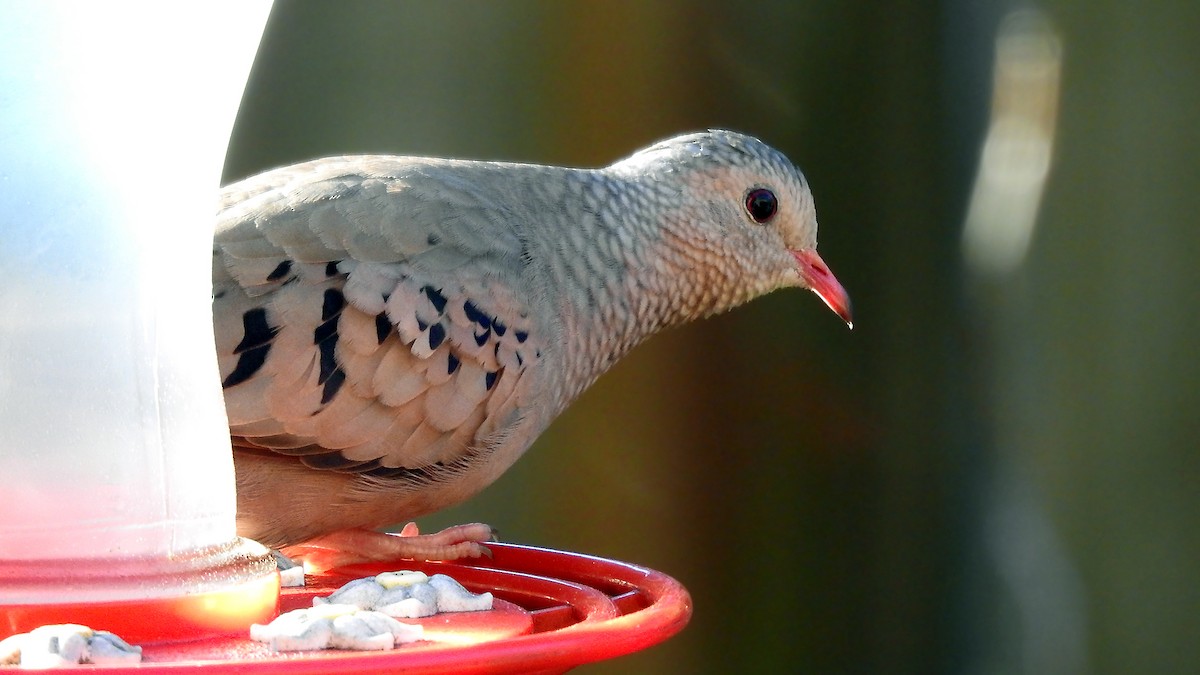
{"points": [[821, 281]]}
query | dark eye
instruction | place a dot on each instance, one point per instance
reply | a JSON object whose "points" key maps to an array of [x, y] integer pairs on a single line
{"points": [[761, 204]]}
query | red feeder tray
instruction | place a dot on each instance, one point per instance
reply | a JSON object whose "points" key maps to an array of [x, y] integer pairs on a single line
{"points": [[554, 610]]}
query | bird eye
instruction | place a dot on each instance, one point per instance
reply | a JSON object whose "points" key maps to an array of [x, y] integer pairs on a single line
{"points": [[761, 204]]}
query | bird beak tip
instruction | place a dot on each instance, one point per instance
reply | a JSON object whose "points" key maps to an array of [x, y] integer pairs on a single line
{"points": [[821, 281], [840, 306]]}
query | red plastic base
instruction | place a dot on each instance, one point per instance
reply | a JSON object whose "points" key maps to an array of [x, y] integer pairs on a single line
{"points": [[210, 592], [554, 611], [215, 613]]}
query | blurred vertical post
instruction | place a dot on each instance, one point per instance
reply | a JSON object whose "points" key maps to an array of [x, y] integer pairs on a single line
{"points": [[1045, 629], [1094, 381]]}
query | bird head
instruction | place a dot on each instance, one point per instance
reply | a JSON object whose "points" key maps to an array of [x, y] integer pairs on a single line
{"points": [[746, 210]]}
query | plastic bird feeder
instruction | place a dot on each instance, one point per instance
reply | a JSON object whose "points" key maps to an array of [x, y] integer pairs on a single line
{"points": [[114, 455], [118, 499]]}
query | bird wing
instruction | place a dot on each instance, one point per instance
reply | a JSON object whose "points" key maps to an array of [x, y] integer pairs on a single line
{"points": [[371, 316]]}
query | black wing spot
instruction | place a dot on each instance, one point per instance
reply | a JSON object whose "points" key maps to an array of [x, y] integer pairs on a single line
{"points": [[325, 337], [256, 332], [256, 343], [281, 270], [326, 346], [335, 461], [332, 385], [522, 336], [438, 300], [383, 327], [331, 269], [248, 364], [334, 302], [500, 328], [489, 380], [482, 338], [331, 375], [452, 363], [325, 331], [476, 316], [420, 475], [436, 335]]}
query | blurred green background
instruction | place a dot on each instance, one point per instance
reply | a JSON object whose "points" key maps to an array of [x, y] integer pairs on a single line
{"points": [[996, 471]]}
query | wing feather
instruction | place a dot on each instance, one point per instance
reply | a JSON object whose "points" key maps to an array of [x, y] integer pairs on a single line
{"points": [[396, 307]]}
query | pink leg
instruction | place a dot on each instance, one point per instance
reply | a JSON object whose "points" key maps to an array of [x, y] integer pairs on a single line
{"points": [[354, 546]]}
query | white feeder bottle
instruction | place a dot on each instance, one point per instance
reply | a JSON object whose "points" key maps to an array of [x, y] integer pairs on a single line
{"points": [[116, 475]]}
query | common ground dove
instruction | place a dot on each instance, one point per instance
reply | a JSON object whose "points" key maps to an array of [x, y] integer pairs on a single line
{"points": [[393, 332]]}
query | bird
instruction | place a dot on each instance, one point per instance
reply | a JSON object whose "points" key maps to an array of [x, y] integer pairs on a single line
{"points": [[393, 332]]}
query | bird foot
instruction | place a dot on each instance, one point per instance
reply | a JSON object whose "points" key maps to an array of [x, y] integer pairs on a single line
{"points": [[356, 546]]}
